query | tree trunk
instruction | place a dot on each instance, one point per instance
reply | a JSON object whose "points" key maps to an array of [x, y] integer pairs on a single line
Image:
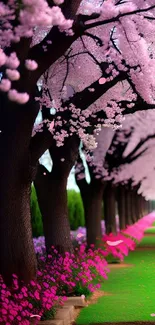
{"points": [[51, 189], [140, 206], [110, 209], [92, 197], [52, 199], [121, 206], [17, 253], [128, 207], [133, 206]]}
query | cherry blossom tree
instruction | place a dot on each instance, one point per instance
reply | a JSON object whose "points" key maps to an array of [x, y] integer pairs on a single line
{"points": [[96, 94], [135, 169], [128, 145], [136, 141], [92, 192], [22, 62], [34, 35]]}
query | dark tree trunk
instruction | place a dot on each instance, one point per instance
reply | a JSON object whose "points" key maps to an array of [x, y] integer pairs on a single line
{"points": [[144, 206], [135, 203], [16, 246], [121, 206], [52, 199], [150, 206], [128, 207], [52, 196], [110, 209], [16, 173], [140, 206], [93, 213], [133, 207], [92, 197]]}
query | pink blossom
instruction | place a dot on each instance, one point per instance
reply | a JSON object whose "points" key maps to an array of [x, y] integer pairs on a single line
{"points": [[12, 61], [12, 74], [2, 57], [5, 85], [31, 65], [51, 126], [20, 98], [58, 2], [102, 81]]}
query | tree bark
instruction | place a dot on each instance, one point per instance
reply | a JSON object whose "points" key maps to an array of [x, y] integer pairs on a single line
{"points": [[93, 213], [128, 214], [92, 197], [133, 206], [52, 199], [52, 196], [110, 209], [17, 253], [121, 206]]}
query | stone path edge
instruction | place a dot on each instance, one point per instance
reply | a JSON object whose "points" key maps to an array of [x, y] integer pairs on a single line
{"points": [[66, 315]]}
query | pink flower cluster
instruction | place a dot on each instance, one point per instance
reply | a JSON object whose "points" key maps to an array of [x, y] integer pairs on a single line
{"points": [[20, 303], [127, 237], [57, 277]]}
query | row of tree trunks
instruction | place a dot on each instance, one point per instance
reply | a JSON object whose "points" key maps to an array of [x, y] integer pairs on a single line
{"points": [[121, 207], [110, 209], [52, 197], [51, 189]]}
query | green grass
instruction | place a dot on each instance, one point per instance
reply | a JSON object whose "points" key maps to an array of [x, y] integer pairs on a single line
{"points": [[132, 292], [147, 241], [150, 231]]}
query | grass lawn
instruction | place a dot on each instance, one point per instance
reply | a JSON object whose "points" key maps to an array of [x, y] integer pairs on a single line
{"points": [[130, 292], [150, 230], [147, 241]]}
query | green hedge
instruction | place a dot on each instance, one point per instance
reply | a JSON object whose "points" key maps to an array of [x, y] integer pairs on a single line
{"points": [[36, 218], [75, 211]]}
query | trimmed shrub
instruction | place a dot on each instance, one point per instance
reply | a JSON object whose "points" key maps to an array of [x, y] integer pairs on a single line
{"points": [[36, 218], [75, 210]]}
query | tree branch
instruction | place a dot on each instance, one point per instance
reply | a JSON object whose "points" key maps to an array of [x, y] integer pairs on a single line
{"points": [[138, 146], [114, 19], [39, 143], [85, 98]]}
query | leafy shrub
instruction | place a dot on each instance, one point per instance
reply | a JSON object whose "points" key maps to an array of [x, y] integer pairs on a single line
{"points": [[75, 210], [36, 218]]}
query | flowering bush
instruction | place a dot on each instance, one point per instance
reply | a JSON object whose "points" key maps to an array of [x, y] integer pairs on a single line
{"points": [[57, 277], [74, 273], [21, 302]]}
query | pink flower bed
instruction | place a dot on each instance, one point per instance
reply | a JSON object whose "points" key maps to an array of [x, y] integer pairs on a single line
{"points": [[57, 277], [72, 274], [127, 237]]}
